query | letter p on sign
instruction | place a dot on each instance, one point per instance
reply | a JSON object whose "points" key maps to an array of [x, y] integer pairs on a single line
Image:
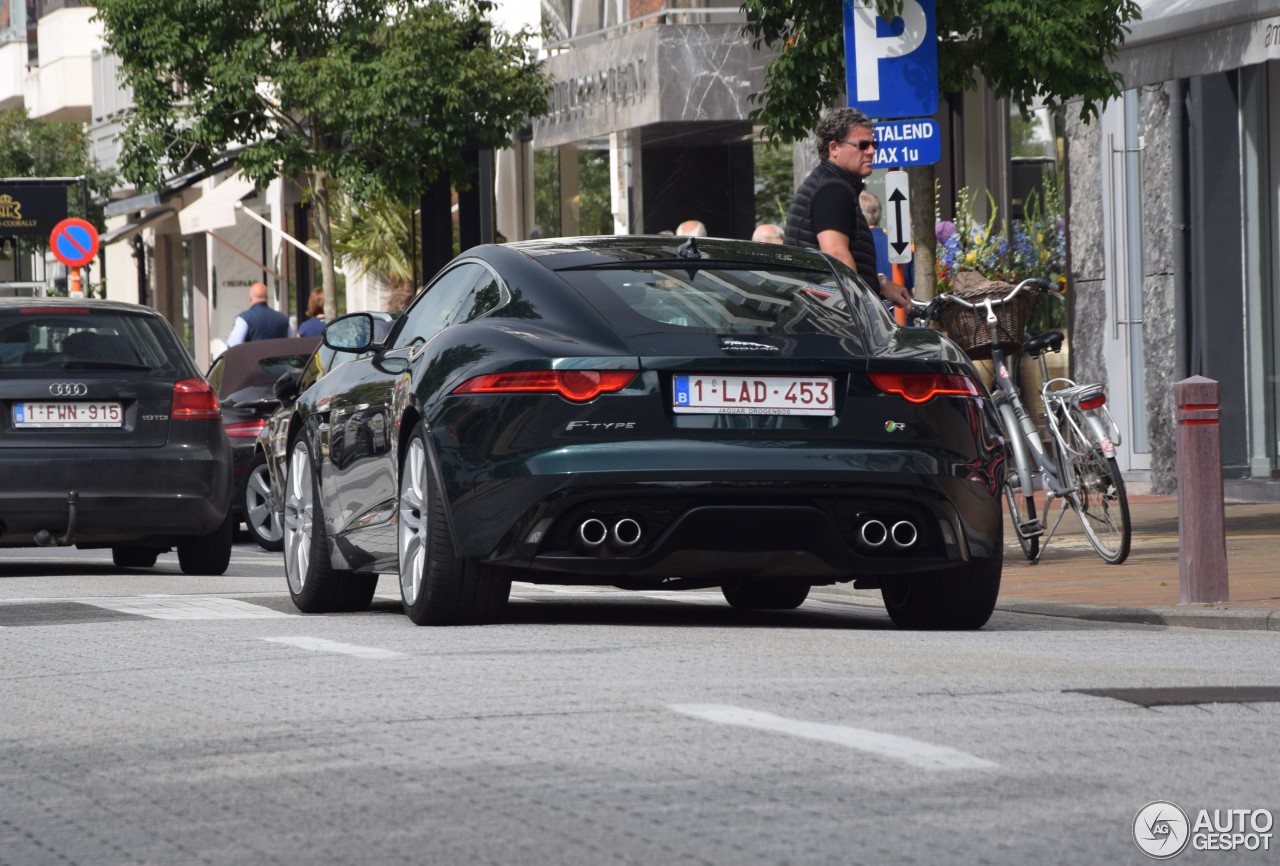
{"points": [[891, 67]]}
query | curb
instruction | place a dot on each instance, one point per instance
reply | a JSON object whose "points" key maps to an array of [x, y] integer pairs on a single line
{"points": [[1189, 616]]}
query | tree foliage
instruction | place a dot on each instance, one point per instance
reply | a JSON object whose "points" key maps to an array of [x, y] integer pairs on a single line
{"points": [[36, 147], [379, 97], [1025, 50]]}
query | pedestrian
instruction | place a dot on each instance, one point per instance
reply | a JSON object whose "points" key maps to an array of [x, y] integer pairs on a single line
{"points": [[691, 229], [870, 203], [314, 324], [767, 233], [825, 214], [259, 322]]}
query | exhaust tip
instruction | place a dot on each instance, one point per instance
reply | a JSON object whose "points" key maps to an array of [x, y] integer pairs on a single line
{"points": [[904, 533], [626, 534], [873, 533], [592, 532]]}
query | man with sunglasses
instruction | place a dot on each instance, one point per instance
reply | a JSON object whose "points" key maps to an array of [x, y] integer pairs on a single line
{"points": [[826, 214]]}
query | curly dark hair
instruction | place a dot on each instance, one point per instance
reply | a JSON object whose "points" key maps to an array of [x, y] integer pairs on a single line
{"points": [[835, 125]]}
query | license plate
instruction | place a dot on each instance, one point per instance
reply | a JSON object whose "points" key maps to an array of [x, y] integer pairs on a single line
{"points": [[81, 413], [755, 395]]}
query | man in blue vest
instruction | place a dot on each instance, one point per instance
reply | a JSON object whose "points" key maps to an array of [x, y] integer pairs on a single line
{"points": [[259, 322], [826, 214]]}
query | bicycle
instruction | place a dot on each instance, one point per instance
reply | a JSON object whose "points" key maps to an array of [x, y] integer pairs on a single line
{"points": [[1084, 475]]}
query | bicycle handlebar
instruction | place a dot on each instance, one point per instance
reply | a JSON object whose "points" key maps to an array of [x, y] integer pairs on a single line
{"points": [[929, 310]]}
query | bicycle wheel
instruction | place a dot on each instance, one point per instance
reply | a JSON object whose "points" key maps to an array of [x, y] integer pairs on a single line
{"points": [[1099, 499], [1020, 517]]}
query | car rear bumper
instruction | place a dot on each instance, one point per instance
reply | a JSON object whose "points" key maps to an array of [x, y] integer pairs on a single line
{"points": [[721, 510], [120, 494]]}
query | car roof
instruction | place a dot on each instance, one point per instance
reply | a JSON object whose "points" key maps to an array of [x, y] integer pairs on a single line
{"points": [[562, 253], [76, 303]]}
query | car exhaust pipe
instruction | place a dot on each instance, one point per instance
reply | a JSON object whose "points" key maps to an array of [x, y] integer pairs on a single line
{"points": [[625, 534], [592, 533], [904, 534], [873, 533]]}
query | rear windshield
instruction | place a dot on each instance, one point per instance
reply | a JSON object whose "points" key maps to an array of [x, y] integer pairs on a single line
{"points": [[722, 300], [34, 339]]}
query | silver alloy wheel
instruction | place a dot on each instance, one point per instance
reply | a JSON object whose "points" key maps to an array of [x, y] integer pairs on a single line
{"points": [[413, 521], [264, 521], [299, 515]]}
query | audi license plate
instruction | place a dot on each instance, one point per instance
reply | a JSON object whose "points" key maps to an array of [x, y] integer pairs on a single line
{"points": [[755, 395], [81, 413]]}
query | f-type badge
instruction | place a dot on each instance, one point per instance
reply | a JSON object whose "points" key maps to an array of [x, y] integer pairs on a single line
{"points": [[747, 346]]}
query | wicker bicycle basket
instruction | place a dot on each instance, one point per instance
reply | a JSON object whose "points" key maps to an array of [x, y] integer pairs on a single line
{"points": [[968, 328]]}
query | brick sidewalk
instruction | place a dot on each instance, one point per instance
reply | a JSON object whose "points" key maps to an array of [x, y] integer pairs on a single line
{"points": [[1071, 573]]}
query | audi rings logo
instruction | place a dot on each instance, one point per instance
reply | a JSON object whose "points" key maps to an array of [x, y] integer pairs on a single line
{"points": [[1161, 830], [68, 389]]}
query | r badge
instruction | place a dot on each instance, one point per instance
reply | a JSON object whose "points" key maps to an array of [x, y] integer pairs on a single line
{"points": [[894, 426]]}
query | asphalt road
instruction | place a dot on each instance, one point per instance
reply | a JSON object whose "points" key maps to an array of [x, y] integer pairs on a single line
{"points": [[152, 718]]}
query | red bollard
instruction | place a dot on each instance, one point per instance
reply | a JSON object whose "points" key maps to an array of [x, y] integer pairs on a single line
{"points": [[1202, 537]]}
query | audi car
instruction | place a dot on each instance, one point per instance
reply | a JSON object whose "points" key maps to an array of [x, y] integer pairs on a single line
{"points": [[645, 412], [109, 436]]}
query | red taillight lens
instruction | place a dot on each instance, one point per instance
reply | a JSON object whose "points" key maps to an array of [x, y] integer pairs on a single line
{"points": [[246, 429], [1094, 402], [194, 400], [923, 387], [576, 385]]}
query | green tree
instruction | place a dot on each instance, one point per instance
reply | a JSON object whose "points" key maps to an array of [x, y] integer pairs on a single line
{"points": [[377, 238], [35, 147], [1023, 49], [379, 97]]}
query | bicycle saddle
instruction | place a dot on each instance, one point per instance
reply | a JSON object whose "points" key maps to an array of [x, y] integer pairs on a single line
{"points": [[1034, 344]]}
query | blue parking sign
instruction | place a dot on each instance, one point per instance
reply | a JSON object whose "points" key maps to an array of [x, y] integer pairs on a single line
{"points": [[891, 67]]}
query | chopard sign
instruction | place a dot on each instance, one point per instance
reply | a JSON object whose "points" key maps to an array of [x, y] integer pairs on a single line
{"points": [[68, 389]]}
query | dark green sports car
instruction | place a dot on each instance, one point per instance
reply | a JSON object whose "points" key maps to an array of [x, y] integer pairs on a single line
{"points": [[644, 413]]}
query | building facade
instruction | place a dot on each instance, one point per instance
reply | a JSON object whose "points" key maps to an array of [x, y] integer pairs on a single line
{"points": [[1174, 213]]}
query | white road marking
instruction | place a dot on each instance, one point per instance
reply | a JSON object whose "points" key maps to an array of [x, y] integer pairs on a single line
{"points": [[318, 644], [184, 607], [917, 753]]}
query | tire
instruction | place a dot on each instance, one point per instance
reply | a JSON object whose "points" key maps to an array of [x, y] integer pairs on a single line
{"points": [[962, 598], [1018, 516], [264, 523], [134, 557], [314, 584], [766, 594], [208, 554], [1101, 503], [438, 587]]}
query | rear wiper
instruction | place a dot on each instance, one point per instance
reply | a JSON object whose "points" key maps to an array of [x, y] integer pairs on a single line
{"points": [[84, 364]]}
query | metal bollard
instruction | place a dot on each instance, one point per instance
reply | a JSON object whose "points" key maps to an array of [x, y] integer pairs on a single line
{"points": [[1202, 538]]}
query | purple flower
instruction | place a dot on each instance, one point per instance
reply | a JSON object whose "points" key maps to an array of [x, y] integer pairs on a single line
{"points": [[944, 231]]}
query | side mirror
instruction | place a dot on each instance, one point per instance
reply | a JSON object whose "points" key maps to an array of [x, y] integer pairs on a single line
{"points": [[350, 333]]}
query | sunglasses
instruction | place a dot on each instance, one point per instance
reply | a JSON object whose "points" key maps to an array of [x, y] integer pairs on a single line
{"points": [[865, 144]]}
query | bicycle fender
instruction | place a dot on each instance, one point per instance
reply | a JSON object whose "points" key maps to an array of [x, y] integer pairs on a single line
{"points": [[1020, 455]]}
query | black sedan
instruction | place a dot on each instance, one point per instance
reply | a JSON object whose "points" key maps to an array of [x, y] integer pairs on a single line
{"points": [[109, 436], [244, 379], [629, 412]]}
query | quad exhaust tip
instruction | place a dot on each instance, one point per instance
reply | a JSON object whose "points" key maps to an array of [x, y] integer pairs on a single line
{"points": [[874, 533], [592, 533], [904, 533], [626, 534]]}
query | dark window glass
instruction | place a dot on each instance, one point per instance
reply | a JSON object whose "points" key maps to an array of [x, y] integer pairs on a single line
{"points": [[437, 306], [34, 338], [721, 300]]}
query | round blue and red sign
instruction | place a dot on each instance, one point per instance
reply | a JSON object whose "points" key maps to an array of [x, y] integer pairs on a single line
{"points": [[74, 242]]}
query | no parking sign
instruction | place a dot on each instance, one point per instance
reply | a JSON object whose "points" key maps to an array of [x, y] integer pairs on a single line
{"points": [[74, 242]]}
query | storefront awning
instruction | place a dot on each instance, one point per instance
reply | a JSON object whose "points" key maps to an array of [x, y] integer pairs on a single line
{"points": [[216, 209], [135, 225]]}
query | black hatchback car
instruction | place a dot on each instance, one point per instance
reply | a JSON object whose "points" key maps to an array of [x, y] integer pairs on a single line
{"points": [[644, 413], [109, 436]]}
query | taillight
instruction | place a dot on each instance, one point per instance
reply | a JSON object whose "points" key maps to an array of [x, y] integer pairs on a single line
{"points": [[1094, 402], [923, 387], [576, 385], [194, 400], [246, 429]]}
